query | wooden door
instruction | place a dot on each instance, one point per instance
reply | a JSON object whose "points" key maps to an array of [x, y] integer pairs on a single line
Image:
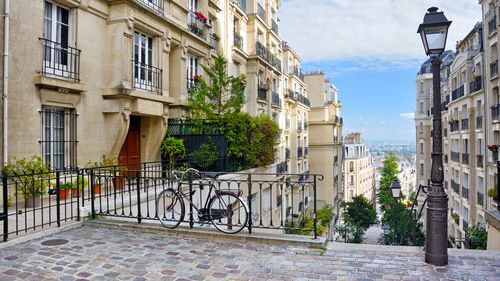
{"points": [[130, 153]]}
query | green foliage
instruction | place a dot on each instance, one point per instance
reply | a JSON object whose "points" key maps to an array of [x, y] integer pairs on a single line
{"points": [[389, 174], [31, 176], [224, 95], [410, 232], [205, 155], [454, 216], [478, 237], [493, 192], [304, 225], [325, 214], [358, 215], [103, 162], [174, 150]]}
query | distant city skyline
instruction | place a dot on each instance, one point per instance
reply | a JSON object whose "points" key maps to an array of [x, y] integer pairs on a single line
{"points": [[371, 52]]}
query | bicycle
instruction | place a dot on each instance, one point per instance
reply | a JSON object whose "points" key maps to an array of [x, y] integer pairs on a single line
{"points": [[224, 209]]}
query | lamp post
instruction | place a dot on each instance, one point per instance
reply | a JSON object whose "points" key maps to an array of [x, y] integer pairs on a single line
{"points": [[386, 229], [396, 192], [433, 32]]}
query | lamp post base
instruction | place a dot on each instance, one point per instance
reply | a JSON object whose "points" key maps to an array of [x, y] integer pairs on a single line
{"points": [[436, 250]]}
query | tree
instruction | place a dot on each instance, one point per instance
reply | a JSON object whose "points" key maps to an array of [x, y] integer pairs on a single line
{"points": [[174, 150], [358, 215], [477, 237], [389, 173], [223, 95]]}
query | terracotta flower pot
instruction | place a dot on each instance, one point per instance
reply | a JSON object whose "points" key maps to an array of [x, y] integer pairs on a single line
{"points": [[63, 194], [119, 183]]}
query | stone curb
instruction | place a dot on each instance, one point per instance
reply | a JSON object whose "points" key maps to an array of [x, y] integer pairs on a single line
{"points": [[149, 227]]}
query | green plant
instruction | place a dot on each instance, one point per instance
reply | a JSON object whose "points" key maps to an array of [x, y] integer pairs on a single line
{"points": [[65, 185], [205, 156], [478, 237], [493, 192], [31, 176], [104, 162], [174, 150], [454, 216]]}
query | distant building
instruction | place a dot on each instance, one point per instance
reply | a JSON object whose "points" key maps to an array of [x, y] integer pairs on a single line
{"points": [[359, 169]]}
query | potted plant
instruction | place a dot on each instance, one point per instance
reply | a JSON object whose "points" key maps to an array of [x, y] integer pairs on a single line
{"points": [[78, 185], [493, 193], [455, 217], [64, 190], [494, 150], [31, 179], [107, 168]]}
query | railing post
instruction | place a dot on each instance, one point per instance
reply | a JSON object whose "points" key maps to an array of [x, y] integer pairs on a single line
{"points": [[58, 200], [5, 216], [78, 194], [138, 186], [92, 195], [314, 194], [190, 180], [249, 200]]}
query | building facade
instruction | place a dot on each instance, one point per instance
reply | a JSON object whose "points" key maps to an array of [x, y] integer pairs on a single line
{"points": [[359, 170], [325, 131]]}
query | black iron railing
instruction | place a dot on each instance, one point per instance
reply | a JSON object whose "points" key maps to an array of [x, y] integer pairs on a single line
{"points": [[241, 4], [455, 187], [495, 112], [238, 41], [306, 151], [147, 77], [445, 157], [303, 100], [454, 126], [275, 99], [480, 161], [261, 51], [287, 153], [480, 198], [455, 156], [465, 192], [197, 23], [156, 5], [299, 152], [492, 25], [274, 26], [291, 95], [282, 168], [465, 124], [494, 68], [261, 12], [465, 158], [475, 85], [262, 94], [457, 93], [60, 60]]}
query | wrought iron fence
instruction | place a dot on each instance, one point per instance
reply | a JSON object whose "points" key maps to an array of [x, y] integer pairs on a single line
{"points": [[147, 77], [156, 5], [60, 60]]}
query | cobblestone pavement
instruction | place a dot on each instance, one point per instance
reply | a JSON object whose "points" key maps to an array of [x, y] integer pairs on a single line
{"points": [[95, 253]]}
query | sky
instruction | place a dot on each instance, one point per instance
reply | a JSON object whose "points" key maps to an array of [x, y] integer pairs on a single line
{"points": [[370, 50]]}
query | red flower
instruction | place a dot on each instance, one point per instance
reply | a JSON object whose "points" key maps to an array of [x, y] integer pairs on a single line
{"points": [[201, 17], [197, 77], [493, 147]]}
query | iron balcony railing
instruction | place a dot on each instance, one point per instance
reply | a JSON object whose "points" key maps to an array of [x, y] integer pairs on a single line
{"points": [[303, 100], [262, 94], [455, 156], [465, 124], [454, 126], [156, 5], [304, 177], [266, 55], [147, 77], [465, 158], [274, 61], [480, 198], [60, 60], [213, 38], [274, 26], [296, 71], [197, 23], [287, 153], [457, 93], [275, 99], [282, 168], [494, 68], [241, 4], [479, 122], [492, 25], [238, 41], [465, 224], [455, 187], [480, 161], [299, 152], [475, 85], [465, 192], [261, 12], [291, 95], [495, 112]]}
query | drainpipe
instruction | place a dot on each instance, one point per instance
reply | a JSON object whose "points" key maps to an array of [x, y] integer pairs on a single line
{"points": [[5, 92], [486, 113]]}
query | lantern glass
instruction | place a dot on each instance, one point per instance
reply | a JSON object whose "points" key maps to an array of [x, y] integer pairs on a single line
{"points": [[435, 39]]}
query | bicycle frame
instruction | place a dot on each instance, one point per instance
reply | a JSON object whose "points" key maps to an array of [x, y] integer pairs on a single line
{"points": [[202, 213]]}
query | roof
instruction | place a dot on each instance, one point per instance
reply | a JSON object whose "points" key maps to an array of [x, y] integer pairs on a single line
{"points": [[446, 57]]}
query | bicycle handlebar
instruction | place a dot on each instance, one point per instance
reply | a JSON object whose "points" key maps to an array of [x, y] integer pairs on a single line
{"points": [[182, 173]]}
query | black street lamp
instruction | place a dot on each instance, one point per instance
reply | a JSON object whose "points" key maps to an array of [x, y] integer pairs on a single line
{"points": [[434, 31], [396, 192]]}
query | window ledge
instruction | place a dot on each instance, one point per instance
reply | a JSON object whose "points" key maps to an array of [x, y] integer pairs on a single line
{"points": [[59, 84]]}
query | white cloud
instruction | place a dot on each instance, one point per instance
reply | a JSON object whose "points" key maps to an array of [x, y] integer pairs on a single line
{"points": [[408, 116], [382, 30]]}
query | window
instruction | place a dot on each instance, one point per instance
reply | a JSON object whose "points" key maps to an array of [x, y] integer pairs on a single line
{"points": [[191, 71], [421, 107], [351, 166], [421, 148], [59, 137], [193, 5], [59, 59], [421, 169], [146, 76]]}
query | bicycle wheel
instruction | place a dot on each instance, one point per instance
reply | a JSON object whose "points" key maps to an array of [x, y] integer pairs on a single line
{"points": [[228, 213], [170, 208]]}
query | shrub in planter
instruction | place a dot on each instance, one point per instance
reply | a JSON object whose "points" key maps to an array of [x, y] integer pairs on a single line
{"points": [[493, 193]]}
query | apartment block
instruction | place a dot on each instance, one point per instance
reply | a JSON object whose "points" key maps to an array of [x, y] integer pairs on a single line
{"points": [[359, 169], [325, 132]]}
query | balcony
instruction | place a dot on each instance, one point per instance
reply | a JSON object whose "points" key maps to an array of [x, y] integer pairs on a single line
{"points": [[303, 100], [156, 5], [262, 93], [455, 187], [282, 168], [494, 68], [261, 12], [465, 124], [238, 41], [291, 95], [457, 93], [274, 26], [60, 60], [454, 126], [296, 71], [465, 224], [304, 177], [465, 158], [299, 127], [197, 23], [241, 4], [479, 122], [475, 85], [465, 192], [275, 99], [264, 54], [495, 110], [480, 198], [287, 153], [455, 156], [147, 77], [299, 152], [480, 161], [492, 25]]}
